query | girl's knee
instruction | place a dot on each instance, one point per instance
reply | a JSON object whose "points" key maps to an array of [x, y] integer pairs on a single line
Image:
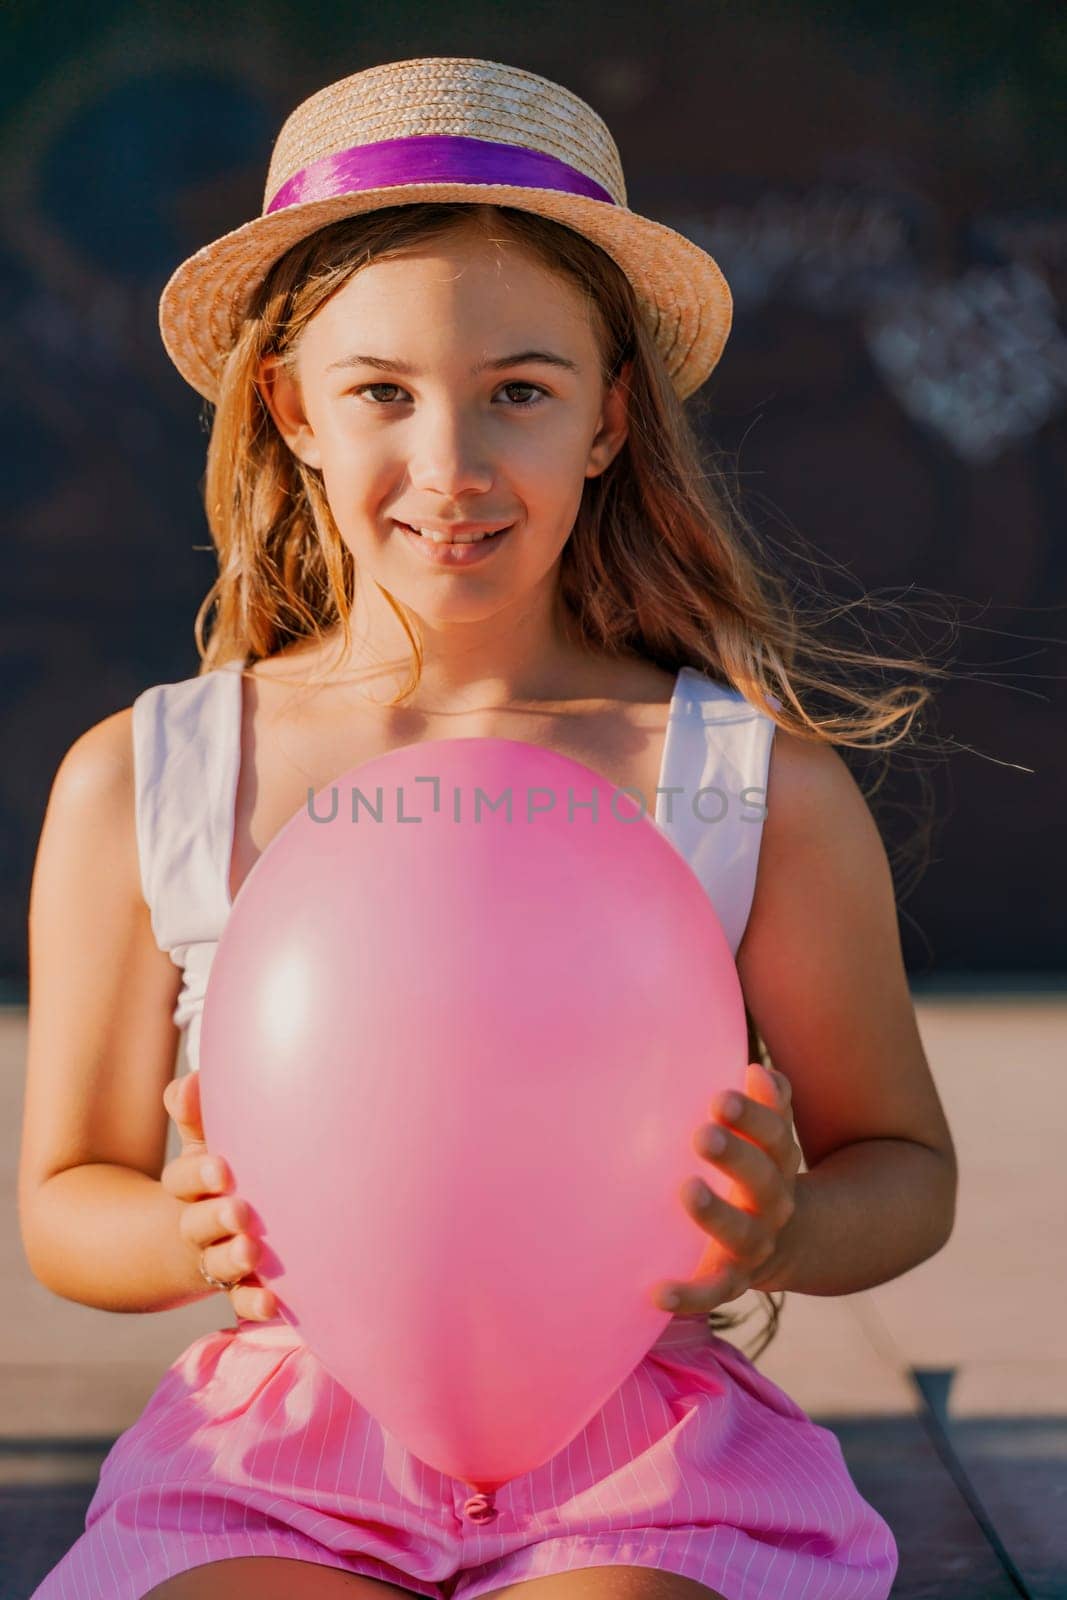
{"points": [[273, 1578]]}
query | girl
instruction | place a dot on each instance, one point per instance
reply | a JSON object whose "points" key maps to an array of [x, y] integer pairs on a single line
{"points": [[454, 494]]}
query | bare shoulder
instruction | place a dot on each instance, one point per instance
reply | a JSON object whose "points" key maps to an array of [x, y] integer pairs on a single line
{"points": [[91, 804], [821, 854], [806, 762], [97, 769], [813, 798]]}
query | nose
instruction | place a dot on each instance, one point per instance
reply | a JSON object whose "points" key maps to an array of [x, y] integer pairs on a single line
{"points": [[448, 457]]}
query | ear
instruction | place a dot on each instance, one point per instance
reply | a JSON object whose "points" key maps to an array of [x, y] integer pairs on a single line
{"points": [[281, 396], [613, 425]]}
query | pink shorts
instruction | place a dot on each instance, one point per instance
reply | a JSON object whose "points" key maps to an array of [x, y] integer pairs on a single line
{"points": [[696, 1465]]}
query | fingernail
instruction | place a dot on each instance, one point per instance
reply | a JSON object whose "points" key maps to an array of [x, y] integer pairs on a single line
{"points": [[211, 1173], [731, 1106], [715, 1142], [670, 1301]]}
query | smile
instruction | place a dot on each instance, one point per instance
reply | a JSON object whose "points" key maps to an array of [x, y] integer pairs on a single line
{"points": [[464, 551]]}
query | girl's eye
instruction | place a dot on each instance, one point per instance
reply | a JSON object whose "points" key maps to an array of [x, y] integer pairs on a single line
{"points": [[516, 405], [525, 405]]}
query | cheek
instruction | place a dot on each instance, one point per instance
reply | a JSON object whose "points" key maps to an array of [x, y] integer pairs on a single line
{"points": [[357, 479]]}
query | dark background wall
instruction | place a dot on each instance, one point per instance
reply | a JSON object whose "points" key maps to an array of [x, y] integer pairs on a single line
{"points": [[883, 186]]}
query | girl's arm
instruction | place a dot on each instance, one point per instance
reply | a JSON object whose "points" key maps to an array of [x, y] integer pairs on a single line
{"points": [[97, 1226], [822, 972]]}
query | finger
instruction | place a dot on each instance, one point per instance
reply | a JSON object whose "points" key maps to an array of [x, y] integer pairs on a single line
{"points": [[254, 1302], [182, 1101], [207, 1222], [756, 1171], [233, 1258], [744, 1235], [702, 1296], [765, 1125], [781, 1090], [764, 1084], [194, 1174]]}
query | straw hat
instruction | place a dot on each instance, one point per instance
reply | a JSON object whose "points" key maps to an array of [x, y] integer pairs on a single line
{"points": [[447, 128]]}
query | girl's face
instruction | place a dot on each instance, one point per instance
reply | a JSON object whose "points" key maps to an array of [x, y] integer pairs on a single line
{"points": [[459, 382]]}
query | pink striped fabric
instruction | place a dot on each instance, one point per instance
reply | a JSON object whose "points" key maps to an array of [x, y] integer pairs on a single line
{"points": [[697, 1465]]}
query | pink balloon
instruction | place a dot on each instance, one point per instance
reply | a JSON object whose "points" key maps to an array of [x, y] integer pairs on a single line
{"points": [[455, 1058]]}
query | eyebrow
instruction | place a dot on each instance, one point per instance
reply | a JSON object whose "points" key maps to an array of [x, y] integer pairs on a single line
{"points": [[383, 364]]}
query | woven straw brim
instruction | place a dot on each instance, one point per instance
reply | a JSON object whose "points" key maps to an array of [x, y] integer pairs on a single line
{"points": [[681, 292]]}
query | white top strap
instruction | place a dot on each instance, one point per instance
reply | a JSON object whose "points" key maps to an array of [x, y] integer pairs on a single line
{"points": [[717, 758], [184, 755], [181, 734]]}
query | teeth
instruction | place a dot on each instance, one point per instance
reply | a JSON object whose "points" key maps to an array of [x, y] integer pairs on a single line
{"points": [[444, 538]]}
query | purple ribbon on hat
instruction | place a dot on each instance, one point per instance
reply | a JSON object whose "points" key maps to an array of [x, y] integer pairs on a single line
{"points": [[432, 158]]}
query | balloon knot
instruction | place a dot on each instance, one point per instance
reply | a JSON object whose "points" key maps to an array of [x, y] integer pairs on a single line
{"points": [[481, 1507]]}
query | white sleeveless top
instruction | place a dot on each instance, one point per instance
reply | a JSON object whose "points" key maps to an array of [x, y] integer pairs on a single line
{"points": [[187, 756]]}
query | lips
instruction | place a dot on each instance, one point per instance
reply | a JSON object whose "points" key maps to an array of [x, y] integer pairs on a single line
{"points": [[460, 531]]}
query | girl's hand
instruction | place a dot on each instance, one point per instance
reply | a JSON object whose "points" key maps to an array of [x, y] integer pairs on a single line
{"points": [[764, 1169], [210, 1226]]}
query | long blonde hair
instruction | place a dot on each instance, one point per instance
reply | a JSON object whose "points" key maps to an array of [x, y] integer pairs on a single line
{"points": [[661, 562]]}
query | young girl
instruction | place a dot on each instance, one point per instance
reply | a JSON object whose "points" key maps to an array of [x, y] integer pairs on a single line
{"points": [[447, 323]]}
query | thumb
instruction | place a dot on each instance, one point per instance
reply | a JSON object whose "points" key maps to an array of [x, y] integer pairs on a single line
{"points": [[763, 1085], [181, 1098]]}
